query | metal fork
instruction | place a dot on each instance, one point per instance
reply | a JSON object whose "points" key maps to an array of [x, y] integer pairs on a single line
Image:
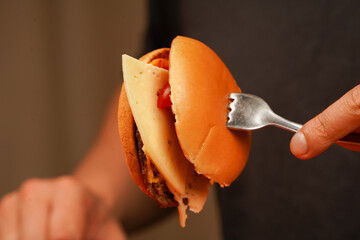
{"points": [[250, 112]]}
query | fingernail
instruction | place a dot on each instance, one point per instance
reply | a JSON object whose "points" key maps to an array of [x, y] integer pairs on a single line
{"points": [[298, 144]]}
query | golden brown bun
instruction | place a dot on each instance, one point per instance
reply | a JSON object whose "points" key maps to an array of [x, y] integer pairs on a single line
{"points": [[126, 126], [200, 84]]}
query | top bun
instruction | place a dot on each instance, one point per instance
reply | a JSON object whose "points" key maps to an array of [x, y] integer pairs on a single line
{"points": [[200, 85]]}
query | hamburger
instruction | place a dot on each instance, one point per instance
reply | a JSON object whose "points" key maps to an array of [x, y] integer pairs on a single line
{"points": [[172, 124]]}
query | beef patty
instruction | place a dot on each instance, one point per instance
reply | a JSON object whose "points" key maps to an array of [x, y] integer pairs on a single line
{"points": [[153, 180]]}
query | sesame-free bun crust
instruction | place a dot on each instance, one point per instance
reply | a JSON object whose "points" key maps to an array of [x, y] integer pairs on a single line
{"points": [[200, 84], [126, 126]]}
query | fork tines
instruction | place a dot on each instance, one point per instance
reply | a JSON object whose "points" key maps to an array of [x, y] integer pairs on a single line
{"points": [[232, 114]]}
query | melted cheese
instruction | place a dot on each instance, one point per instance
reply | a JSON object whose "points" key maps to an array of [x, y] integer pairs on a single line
{"points": [[157, 130]]}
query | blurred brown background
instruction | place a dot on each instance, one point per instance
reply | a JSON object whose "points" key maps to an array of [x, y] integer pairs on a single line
{"points": [[60, 62]]}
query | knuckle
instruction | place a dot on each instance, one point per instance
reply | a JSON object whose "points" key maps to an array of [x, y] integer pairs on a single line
{"points": [[30, 186], [321, 127], [68, 183], [353, 101], [70, 187], [6, 202]]}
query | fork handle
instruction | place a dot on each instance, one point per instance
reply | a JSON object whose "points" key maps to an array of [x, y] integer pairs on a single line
{"points": [[283, 123], [350, 141]]}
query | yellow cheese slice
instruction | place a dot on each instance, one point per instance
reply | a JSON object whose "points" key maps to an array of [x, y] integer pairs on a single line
{"points": [[157, 130]]}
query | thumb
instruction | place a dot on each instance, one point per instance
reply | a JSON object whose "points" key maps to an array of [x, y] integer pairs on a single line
{"points": [[335, 122], [111, 230]]}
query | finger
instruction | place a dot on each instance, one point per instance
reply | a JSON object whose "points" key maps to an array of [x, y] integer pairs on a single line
{"points": [[69, 213], [337, 121], [9, 217], [97, 217], [33, 205], [111, 230]]}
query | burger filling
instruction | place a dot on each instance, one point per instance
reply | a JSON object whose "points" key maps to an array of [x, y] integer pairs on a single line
{"points": [[162, 163], [154, 181]]}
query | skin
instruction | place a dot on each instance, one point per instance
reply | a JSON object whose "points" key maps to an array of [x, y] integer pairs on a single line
{"points": [[93, 201], [335, 122], [88, 204]]}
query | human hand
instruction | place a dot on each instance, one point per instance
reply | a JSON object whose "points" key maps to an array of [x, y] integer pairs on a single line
{"points": [[337, 121], [60, 208]]}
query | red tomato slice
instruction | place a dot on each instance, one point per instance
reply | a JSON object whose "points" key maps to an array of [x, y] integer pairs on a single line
{"points": [[164, 97]]}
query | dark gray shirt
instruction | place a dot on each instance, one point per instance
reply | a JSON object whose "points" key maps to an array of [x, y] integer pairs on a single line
{"points": [[300, 56]]}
